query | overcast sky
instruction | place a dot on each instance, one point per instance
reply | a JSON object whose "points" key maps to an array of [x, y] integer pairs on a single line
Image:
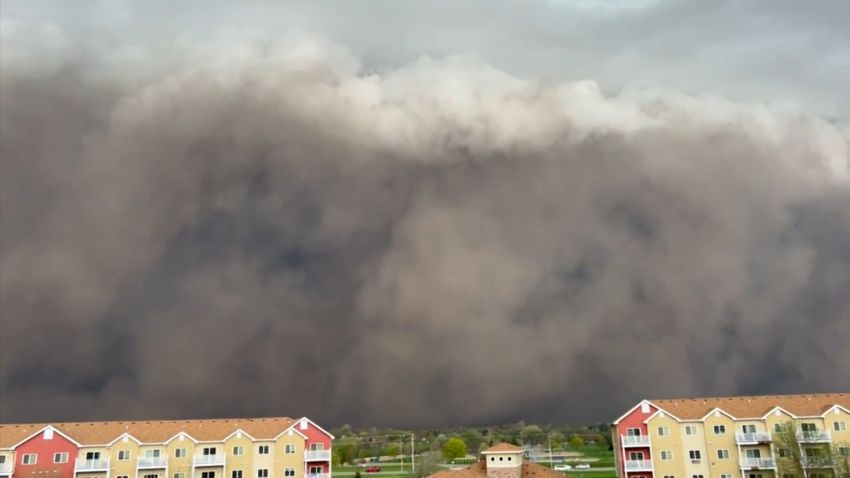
{"points": [[420, 212]]}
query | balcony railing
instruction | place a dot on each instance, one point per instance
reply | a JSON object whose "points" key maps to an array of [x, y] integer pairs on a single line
{"points": [[91, 465], [817, 462], [318, 475], [208, 460], [638, 465], [152, 462], [635, 440], [317, 455], [5, 468], [813, 437], [754, 437], [758, 462]]}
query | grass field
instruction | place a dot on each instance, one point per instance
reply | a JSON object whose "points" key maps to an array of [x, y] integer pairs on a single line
{"points": [[600, 459]]}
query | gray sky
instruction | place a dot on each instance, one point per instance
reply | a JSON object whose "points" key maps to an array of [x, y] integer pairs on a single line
{"points": [[418, 212]]}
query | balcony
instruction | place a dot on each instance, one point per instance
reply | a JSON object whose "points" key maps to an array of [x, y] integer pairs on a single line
{"points": [[635, 440], [6, 469], [813, 437], [317, 455], [758, 463], [152, 462], [318, 475], [91, 465], [817, 462], [208, 460], [638, 465], [754, 438]]}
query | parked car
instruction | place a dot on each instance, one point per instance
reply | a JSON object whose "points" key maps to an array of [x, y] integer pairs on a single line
{"points": [[373, 469], [583, 466], [563, 467]]}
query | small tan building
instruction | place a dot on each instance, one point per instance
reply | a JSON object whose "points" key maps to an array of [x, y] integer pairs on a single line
{"points": [[501, 461]]}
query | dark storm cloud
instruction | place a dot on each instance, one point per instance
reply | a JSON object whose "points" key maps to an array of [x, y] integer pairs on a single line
{"points": [[259, 225]]}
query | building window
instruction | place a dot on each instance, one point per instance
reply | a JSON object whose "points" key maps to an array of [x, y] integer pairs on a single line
{"points": [[179, 475], [509, 458], [663, 431], [726, 475], [808, 428], [289, 448], [289, 472], [839, 426], [779, 427], [634, 456], [123, 455], [817, 475], [151, 476], [697, 476], [723, 454], [236, 474], [263, 450], [690, 430], [695, 455], [209, 451], [492, 458], [151, 453], [180, 453], [121, 476], [60, 458], [238, 451], [263, 473], [29, 459], [789, 475], [317, 446], [316, 470], [666, 455], [844, 450], [719, 429], [784, 453], [633, 432], [669, 476], [207, 474]]}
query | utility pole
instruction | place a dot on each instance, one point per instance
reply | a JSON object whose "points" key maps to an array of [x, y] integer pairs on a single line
{"points": [[412, 456], [550, 448]]}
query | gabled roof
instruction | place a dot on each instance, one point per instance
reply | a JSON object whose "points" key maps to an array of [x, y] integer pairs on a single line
{"points": [[151, 431], [754, 407], [503, 448]]}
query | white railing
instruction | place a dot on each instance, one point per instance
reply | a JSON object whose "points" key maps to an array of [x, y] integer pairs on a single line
{"points": [[317, 455], [638, 465], [208, 460], [152, 462], [816, 462], [635, 440], [754, 437], [318, 475], [91, 465], [5, 468], [817, 436], [758, 462]]}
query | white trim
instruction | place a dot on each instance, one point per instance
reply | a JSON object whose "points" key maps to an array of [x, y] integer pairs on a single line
{"points": [[125, 434], [717, 409], [39, 433], [239, 430], [772, 410], [833, 408], [178, 435], [659, 411], [642, 402]]}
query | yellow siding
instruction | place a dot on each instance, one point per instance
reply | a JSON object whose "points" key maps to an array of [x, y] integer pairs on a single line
{"points": [[241, 462], [671, 442], [724, 441], [285, 460], [123, 467], [264, 461], [694, 442], [180, 465]]}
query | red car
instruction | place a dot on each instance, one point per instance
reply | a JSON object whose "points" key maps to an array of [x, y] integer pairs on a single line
{"points": [[373, 469]]}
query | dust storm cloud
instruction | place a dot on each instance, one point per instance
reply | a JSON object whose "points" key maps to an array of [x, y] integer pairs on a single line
{"points": [[280, 228]]}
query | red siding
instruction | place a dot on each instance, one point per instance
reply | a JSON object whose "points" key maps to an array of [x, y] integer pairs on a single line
{"points": [[316, 435], [44, 467], [635, 419]]}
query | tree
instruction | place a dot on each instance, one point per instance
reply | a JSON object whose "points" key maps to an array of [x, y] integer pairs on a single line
{"points": [[576, 441], [427, 464], [392, 450], [600, 440], [533, 434], [454, 448], [357, 474], [557, 439], [472, 437]]}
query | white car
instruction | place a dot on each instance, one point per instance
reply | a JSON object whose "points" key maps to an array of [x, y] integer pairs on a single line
{"points": [[563, 467], [583, 466]]}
